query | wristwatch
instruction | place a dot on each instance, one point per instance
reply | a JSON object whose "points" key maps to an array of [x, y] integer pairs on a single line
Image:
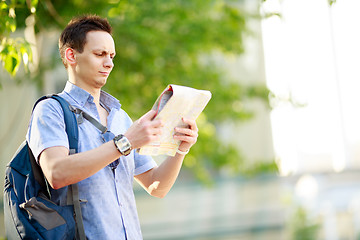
{"points": [[122, 144]]}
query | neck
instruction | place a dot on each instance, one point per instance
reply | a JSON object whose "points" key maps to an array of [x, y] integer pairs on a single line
{"points": [[94, 91]]}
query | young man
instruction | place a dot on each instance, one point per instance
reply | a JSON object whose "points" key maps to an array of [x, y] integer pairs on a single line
{"points": [[104, 168]]}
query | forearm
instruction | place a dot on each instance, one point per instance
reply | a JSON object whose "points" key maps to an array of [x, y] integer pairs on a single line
{"points": [[158, 181], [62, 169]]}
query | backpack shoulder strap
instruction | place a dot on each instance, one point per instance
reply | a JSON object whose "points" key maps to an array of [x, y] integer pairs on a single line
{"points": [[88, 117], [71, 126]]}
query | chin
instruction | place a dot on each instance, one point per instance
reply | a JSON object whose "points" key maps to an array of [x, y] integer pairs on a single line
{"points": [[100, 82]]}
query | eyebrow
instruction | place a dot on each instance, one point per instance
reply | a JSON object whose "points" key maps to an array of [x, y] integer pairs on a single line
{"points": [[102, 50]]}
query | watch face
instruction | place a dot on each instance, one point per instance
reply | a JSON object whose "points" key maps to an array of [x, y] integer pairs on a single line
{"points": [[122, 144]]}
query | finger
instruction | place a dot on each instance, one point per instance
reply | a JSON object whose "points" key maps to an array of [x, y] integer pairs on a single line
{"points": [[155, 131], [191, 123], [157, 123], [148, 116], [184, 138], [186, 131]]}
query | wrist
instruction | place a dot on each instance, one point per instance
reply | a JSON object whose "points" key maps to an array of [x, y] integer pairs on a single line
{"points": [[122, 144], [182, 152]]}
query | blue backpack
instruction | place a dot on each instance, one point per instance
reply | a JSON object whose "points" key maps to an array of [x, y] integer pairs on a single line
{"points": [[28, 209]]}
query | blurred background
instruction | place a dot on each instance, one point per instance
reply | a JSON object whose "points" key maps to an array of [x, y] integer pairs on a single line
{"points": [[278, 151]]}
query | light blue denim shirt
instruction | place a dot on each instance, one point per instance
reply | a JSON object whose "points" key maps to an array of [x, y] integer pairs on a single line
{"points": [[110, 211]]}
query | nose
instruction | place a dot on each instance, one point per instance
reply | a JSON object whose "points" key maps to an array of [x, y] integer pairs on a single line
{"points": [[108, 63]]}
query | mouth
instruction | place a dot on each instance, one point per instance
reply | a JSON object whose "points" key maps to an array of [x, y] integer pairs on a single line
{"points": [[104, 73]]}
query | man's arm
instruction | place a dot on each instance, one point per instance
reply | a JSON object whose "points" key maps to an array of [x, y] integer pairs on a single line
{"points": [[61, 169], [159, 180]]}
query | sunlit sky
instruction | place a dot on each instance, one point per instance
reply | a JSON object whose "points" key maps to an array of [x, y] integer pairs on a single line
{"points": [[311, 56]]}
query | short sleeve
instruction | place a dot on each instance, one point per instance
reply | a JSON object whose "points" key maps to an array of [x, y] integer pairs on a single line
{"points": [[47, 127], [143, 163]]}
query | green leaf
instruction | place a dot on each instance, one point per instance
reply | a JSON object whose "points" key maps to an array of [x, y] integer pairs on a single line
{"points": [[11, 58], [34, 3], [331, 2], [11, 24], [9, 64], [3, 6]]}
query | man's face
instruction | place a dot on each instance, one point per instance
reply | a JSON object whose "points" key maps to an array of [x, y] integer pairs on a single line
{"points": [[95, 63]]}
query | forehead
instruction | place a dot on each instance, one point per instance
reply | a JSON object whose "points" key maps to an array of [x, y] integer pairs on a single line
{"points": [[99, 40]]}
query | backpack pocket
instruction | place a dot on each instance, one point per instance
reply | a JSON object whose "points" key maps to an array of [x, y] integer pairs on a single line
{"points": [[50, 220], [45, 216]]}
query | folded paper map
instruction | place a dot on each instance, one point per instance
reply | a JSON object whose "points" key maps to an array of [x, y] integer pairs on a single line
{"points": [[175, 102]]}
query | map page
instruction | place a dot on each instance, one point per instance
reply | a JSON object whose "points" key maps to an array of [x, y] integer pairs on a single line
{"points": [[172, 105]]}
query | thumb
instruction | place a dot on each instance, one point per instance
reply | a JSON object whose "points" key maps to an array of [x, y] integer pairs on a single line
{"points": [[148, 116]]}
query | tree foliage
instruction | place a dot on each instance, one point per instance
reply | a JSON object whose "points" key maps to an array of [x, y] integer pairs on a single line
{"points": [[160, 42], [13, 50]]}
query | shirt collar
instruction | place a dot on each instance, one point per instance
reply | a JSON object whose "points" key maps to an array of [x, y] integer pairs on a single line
{"points": [[81, 96]]}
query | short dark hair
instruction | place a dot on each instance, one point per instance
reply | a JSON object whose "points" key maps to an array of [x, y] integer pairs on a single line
{"points": [[74, 34]]}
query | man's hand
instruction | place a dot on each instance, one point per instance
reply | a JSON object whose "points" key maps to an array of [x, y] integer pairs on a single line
{"points": [[188, 136], [144, 131]]}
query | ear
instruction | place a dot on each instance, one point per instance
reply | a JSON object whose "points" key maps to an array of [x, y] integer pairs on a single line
{"points": [[70, 56]]}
